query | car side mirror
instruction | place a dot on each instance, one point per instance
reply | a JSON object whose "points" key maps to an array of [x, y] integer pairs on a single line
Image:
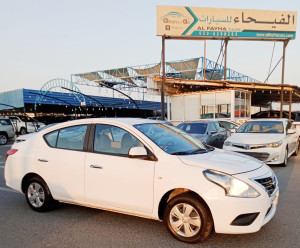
{"points": [[291, 131], [212, 132], [138, 152]]}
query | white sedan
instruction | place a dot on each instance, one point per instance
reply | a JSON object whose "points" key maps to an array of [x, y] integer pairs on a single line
{"points": [[144, 168], [272, 141]]}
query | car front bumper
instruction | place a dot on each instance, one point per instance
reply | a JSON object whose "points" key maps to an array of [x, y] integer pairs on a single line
{"points": [[266, 155], [226, 209]]}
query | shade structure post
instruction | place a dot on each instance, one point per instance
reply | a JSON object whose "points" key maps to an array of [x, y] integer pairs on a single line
{"points": [[204, 62], [290, 105]]}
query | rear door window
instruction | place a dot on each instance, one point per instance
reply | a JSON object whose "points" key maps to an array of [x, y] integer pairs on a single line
{"points": [[71, 138], [228, 125], [51, 138], [217, 125], [211, 127]]}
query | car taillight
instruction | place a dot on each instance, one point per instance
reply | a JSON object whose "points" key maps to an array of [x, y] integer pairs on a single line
{"points": [[11, 152]]}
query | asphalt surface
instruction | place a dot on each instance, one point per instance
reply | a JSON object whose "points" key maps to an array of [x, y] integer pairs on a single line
{"points": [[75, 226]]}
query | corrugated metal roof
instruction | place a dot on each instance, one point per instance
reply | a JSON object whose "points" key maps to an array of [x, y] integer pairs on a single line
{"points": [[13, 98], [52, 98]]}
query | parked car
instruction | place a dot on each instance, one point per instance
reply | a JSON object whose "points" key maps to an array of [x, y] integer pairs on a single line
{"points": [[155, 118], [230, 125], [296, 123], [272, 114], [25, 124], [272, 141], [7, 130], [207, 131], [144, 168]]}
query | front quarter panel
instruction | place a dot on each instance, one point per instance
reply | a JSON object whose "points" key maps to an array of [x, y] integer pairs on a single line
{"points": [[171, 173]]}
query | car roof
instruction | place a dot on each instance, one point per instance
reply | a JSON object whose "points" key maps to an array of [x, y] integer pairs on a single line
{"points": [[129, 121], [105, 121], [204, 121], [268, 119]]}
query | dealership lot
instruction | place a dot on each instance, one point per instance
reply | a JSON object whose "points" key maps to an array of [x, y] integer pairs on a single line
{"points": [[74, 226]]}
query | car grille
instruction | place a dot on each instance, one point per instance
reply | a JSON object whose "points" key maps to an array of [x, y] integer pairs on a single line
{"points": [[269, 183], [248, 147], [262, 156]]}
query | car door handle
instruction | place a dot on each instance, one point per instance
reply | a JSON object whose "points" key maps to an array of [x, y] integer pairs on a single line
{"points": [[96, 166], [43, 160]]}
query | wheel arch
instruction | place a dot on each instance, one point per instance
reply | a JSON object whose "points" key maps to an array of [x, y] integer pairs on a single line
{"points": [[171, 194], [27, 177], [4, 132]]}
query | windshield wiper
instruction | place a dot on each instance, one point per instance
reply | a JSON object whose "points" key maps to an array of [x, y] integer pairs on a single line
{"points": [[180, 153], [189, 153], [199, 151]]}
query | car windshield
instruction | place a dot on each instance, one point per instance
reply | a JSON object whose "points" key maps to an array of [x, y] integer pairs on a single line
{"points": [[198, 128], [261, 127], [5, 122], [172, 139]]}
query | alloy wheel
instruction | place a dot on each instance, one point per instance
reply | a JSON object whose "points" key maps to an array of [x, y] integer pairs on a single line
{"points": [[297, 149], [286, 156], [36, 194], [3, 139], [185, 220]]}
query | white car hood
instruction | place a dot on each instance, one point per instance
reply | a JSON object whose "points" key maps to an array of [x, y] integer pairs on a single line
{"points": [[224, 161], [255, 138]]}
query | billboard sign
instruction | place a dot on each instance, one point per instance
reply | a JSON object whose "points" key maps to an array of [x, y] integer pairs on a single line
{"points": [[179, 21]]}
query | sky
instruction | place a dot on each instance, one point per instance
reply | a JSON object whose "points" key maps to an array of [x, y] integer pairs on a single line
{"points": [[43, 40]]}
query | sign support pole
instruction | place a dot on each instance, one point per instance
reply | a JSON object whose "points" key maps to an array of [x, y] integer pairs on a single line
{"points": [[285, 43], [225, 59], [162, 87], [204, 62]]}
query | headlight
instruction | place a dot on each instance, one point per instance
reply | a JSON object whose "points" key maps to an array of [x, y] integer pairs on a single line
{"points": [[232, 186], [227, 143], [275, 144]]}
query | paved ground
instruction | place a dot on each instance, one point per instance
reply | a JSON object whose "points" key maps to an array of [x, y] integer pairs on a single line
{"points": [[74, 226]]}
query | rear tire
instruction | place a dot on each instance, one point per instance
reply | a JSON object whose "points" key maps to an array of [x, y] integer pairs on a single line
{"points": [[38, 195], [23, 130], [188, 219], [3, 139]]}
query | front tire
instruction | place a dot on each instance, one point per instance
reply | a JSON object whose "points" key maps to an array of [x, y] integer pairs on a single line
{"points": [[38, 195], [188, 219], [285, 160], [3, 139], [23, 130], [296, 150]]}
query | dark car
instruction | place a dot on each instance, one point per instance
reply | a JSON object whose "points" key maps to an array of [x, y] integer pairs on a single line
{"points": [[209, 132]]}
